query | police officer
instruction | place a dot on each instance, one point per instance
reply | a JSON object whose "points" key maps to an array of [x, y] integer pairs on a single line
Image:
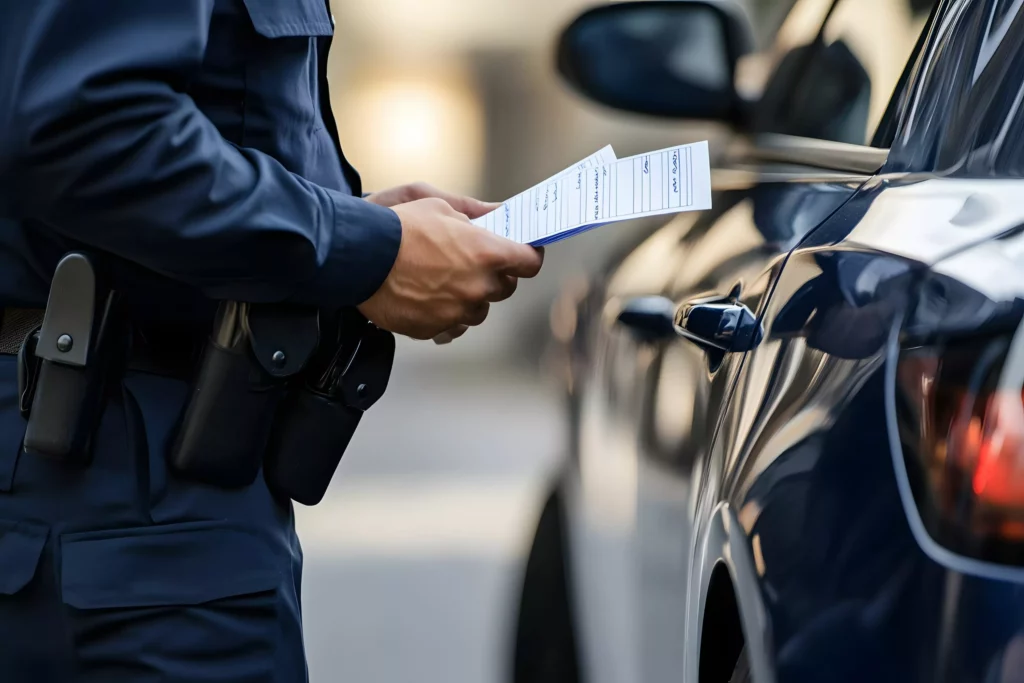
{"points": [[190, 143]]}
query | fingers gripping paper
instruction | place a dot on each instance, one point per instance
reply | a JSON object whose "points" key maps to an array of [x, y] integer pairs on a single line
{"points": [[602, 189]]}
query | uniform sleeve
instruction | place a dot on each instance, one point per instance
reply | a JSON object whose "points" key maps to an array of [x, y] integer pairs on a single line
{"points": [[109, 151]]}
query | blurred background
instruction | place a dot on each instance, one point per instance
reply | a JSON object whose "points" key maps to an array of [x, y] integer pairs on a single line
{"points": [[413, 561]]}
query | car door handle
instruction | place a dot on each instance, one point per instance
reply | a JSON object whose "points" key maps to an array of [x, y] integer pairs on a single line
{"points": [[727, 326], [721, 325]]}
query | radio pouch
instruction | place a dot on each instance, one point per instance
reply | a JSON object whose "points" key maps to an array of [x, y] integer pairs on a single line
{"points": [[316, 421], [242, 376]]}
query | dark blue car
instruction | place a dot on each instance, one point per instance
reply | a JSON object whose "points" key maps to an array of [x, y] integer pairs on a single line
{"points": [[797, 420]]}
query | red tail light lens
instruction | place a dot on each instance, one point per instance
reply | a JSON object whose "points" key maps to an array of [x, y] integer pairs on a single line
{"points": [[960, 411]]}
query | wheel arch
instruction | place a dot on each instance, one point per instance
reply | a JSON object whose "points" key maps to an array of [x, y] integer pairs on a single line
{"points": [[545, 646], [730, 602]]}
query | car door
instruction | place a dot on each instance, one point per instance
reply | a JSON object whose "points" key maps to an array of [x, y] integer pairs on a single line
{"points": [[647, 406], [685, 384], [646, 415], [843, 576]]}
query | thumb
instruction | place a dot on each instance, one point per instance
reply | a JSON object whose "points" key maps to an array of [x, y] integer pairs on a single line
{"points": [[522, 260]]}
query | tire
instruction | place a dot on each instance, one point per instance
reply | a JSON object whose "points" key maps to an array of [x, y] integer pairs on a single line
{"points": [[742, 673], [545, 648]]}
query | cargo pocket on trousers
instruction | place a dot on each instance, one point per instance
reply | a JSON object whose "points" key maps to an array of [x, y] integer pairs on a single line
{"points": [[181, 602], [21, 546]]}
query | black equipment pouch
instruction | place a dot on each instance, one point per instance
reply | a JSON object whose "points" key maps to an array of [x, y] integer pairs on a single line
{"points": [[316, 420], [63, 368], [242, 377]]}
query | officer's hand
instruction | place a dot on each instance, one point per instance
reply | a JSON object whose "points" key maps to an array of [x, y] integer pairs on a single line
{"points": [[447, 273], [473, 208], [403, 194]]}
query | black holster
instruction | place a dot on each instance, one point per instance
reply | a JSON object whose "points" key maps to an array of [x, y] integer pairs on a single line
{"points": [[64, 367]]}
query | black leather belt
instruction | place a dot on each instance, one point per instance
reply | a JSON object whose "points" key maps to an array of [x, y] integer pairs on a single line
{"points": [[167, 350]]}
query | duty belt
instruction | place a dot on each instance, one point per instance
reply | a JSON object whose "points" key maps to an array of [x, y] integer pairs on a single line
{"points": [[160, 350], [15, 325], [275, 387]]}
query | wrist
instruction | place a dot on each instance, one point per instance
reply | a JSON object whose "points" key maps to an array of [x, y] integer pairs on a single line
{"points": [[356, 258]]}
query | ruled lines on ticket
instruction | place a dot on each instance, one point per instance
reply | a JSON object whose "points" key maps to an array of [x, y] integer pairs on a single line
{"points": [[668, 181], [499, 221]]}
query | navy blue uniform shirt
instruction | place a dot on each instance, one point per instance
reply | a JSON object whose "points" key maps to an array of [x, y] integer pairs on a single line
{"points": [[191, 142], [190, 137]]}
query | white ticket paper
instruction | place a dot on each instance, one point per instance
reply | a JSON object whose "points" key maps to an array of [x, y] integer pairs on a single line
{"points": [[597, 191], [539, 197]]}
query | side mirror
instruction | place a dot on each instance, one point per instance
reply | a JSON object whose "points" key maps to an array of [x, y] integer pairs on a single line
{"points": [[669, 58]]}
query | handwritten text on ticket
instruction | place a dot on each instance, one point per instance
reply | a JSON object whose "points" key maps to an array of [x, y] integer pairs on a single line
{"points": [[601, 189]]}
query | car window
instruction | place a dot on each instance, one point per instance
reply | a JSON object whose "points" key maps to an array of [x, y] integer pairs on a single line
{"points": [[882, 35], [998, 115], [968, 118], [837, 84], [767, 18]]}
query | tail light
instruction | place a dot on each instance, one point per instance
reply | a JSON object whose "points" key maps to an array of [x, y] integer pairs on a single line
{"points": [[960, 412]]}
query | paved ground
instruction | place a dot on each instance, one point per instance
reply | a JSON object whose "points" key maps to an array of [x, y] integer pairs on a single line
{"points": [[413, 560]]}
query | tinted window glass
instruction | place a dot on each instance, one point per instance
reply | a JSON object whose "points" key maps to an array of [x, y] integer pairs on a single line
{"points": [[994, 113], [967, 116], [882, 35], [837, 84]]}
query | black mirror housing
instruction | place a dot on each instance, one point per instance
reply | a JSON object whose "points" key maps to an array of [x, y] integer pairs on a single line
{"points": [[667, 58]]}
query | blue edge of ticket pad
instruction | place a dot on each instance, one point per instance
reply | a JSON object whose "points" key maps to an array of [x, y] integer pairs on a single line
{"points": [[565, 234]]}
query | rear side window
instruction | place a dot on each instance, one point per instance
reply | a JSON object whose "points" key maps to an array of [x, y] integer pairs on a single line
{"points": [[838, 86]]}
